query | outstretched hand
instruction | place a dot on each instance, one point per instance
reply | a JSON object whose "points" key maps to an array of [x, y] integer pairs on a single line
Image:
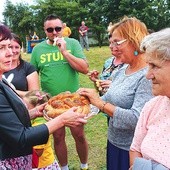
{"points": [[92, 95], [69, 118], [73, 118], [93, 75], [40, 109]]}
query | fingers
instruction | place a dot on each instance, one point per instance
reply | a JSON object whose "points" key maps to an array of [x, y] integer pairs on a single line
{"points": [[75, 124], [46, 117], [55, 41], [41, 107], [59, 41], [82, 120], [80, 90], [93, 75], [90, 93], [78, 121], [89, 116], [93, 72], [105, 83], [76, 116]]}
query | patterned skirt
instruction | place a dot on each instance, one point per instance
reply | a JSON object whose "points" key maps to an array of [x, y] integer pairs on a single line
{"points": [[19, 163]]}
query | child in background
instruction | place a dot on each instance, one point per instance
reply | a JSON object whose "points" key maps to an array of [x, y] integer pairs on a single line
{"points": [[44, 152]]}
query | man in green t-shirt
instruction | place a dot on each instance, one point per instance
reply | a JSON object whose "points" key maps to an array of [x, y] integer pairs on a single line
{"points": [[59, 61]]}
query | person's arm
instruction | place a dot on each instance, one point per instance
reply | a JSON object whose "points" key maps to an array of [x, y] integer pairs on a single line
{"points": [[15, 123], [33, 81], [24, 136], [97, 101], [69, 118], [79, 64], [133, 155], [81, 33], [93, 75], [84, 31], [141, 131], [142, 95], [37, 111]]}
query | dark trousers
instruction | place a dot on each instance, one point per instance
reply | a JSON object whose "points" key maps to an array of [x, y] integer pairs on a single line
{"points": [[117, 159]]}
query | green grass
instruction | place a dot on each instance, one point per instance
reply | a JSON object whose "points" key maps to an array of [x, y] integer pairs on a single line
{"points": [[96, 128]]}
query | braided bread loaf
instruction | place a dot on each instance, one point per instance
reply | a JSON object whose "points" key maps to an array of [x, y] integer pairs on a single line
{"points": [[64, 101]]}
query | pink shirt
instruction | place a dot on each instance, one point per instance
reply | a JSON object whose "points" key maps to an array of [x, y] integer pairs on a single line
{"points": [[152, 134]]}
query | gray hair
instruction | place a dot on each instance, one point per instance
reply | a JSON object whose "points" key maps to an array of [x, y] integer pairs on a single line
{"points": [[157, 43]]}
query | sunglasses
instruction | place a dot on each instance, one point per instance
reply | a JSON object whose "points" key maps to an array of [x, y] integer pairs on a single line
{"points": [[57, 29]]}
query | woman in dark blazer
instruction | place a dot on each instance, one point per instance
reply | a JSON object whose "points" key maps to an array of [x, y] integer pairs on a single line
{"points": [[17, 137]]}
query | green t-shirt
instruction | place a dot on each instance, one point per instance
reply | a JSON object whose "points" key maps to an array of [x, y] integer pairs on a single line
{"points": [[56, 74]]}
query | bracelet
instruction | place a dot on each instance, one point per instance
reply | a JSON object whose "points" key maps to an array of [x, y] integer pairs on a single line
{"points": [[104, 104]]}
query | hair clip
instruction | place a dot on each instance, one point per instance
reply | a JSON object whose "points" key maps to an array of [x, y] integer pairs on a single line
{"points": [[40, 97]]}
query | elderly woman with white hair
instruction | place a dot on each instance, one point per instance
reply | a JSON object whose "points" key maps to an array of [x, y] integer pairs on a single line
{"points": [[150, 149]]}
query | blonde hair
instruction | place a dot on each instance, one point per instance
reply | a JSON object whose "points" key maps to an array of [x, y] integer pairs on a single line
{"points": [[131, 29], [37, 97]]}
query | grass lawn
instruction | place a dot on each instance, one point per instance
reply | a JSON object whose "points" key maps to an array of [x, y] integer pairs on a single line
{"points": [[96, 128]]}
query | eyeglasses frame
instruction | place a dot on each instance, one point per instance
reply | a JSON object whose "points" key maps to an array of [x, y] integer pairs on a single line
{"points": [[117, 43]]}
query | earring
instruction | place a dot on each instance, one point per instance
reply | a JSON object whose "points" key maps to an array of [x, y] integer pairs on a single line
{"points": [[136, 53]]}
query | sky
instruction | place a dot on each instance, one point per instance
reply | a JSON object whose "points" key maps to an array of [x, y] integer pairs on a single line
{"points": [[14, 2]]}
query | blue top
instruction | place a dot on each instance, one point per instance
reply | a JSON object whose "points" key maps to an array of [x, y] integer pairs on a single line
{"points": [[108, 68], [128, 93]]}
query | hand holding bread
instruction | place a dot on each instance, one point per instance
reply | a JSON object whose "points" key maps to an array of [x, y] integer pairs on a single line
{"points": [[64, 101]]}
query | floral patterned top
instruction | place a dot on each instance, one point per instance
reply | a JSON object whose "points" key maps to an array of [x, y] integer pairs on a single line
{"points": [[19, 163]]}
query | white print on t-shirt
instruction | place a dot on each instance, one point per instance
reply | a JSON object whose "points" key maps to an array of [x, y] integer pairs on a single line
{"points": [[9, 80]]}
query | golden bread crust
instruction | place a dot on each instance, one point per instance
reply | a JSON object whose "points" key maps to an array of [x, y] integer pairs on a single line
{"points": [[64, 101]]}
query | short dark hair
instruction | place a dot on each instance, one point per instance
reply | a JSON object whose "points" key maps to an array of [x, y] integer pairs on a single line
{"points": [[5, 32], [51, 17], [17, 39]]}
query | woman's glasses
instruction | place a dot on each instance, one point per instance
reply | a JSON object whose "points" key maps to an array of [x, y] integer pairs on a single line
{"points": [[57, 29], [117, 43]]}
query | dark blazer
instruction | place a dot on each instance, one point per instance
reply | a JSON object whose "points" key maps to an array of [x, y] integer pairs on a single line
{"points": [[16, 134]]}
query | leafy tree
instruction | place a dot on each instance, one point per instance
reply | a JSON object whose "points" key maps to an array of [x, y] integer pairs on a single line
{"points": [[19, 18], [68, 10], [24, 19], [97, 20], [154, 13]]}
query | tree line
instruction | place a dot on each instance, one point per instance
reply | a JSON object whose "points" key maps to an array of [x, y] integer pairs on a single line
{"points": [[24, 19]]}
